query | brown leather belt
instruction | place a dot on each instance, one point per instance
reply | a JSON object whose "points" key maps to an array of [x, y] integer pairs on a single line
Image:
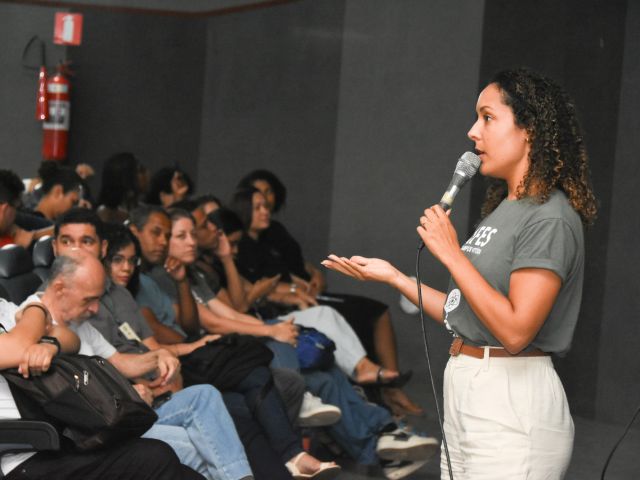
{"points": [[458, 346]]}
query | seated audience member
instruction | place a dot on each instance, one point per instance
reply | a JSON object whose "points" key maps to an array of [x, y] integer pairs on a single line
{"points": [[349, 354], [60, 190], [366, 432], [152, 226], [10, 189], [194, 420], [33, 193], [169, 185], [123, 270], [122, 182], [267, 248], [216, 452], [82, 229], [134, 459], [266, 404]]}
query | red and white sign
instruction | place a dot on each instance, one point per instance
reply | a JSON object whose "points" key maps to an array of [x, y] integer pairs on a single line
{"points": [[68, 29]]}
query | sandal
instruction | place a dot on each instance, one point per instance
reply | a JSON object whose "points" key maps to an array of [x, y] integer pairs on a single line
{"points": [[397, 382], [326, 471]]}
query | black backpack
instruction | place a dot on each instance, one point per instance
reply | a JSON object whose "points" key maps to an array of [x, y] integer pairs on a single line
{"points": [[85, 398], [225, 362]]}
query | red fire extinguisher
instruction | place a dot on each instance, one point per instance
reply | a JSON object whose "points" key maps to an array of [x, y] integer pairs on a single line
{"points": [[56, 126]]}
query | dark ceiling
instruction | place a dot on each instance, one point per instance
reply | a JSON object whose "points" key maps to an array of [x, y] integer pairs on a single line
{"points": [[196, 8]]}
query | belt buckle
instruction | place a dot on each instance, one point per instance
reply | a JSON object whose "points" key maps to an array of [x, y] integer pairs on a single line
{"points": [[456, 346]]}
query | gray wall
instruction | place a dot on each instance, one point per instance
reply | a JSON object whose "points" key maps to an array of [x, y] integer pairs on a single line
{"points": [[362, 108], [407, 96], [270, 101], [20, 134], [138, 88], [618, 392]]}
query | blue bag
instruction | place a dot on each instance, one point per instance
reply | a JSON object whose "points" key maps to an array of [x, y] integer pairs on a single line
{"points": [[315, 349]]}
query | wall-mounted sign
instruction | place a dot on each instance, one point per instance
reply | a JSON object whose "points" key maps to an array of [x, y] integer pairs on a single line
{"points": [[68, 29]]}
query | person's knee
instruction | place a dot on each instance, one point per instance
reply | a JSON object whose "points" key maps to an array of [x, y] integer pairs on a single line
{"points": [[207, 395]]}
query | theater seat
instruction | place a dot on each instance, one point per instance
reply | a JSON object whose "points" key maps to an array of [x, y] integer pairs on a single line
{"points": [[16, 273], [43, 257], [24, 435], [27, 436]]}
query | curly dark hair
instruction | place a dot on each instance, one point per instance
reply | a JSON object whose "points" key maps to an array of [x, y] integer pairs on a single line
{"points": [[558, 157], [279, 190]]}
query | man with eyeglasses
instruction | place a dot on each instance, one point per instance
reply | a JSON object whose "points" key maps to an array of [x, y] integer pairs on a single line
{"points": [[194, 421]]}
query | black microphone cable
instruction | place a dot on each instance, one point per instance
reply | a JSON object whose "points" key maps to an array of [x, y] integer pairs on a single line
{"points": [[426, 354], [615, 447]]}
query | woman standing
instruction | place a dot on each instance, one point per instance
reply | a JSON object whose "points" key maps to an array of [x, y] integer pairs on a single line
{"points": [[516, 284]]}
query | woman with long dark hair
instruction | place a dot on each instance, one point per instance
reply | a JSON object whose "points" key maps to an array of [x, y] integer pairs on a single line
{"points": [[275, 251], [516, 284]]}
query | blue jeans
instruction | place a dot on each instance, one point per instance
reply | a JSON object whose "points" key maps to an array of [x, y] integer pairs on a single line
{"points": [[196, 424], [358, 429], [361, 422]]}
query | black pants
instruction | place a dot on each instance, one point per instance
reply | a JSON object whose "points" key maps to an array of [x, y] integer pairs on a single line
{"points": [[270, 412], [291, 387], [265, 463], [137, 459]]}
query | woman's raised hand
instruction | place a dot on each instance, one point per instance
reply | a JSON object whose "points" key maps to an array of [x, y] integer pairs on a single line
{"points": [[363, 268], [438, 234]]}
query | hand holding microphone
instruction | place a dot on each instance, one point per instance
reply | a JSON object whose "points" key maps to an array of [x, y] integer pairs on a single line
{"points": [[435, 229]]}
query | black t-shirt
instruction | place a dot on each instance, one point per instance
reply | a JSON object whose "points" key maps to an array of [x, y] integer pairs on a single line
{"points": [[278, 238], [275, 252]]}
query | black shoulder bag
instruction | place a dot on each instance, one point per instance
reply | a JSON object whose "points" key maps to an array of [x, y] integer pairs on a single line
{"points": [[85, 398], [225, 362]]}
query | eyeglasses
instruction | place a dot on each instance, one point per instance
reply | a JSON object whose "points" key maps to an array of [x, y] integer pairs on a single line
{"points": [[120, 260]]}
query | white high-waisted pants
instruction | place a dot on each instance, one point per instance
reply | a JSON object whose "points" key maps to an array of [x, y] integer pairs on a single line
{"points": [[505, 418]]}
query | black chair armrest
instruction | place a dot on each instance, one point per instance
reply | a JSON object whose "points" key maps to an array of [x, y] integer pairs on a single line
{"points": [[27, 435]]}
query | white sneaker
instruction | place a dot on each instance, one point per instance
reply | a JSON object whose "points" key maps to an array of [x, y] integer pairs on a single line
{"points": [[402, 445], [402, 468], [314, 413]]}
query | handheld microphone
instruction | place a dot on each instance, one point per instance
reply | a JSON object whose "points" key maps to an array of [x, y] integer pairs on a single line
{"points": [[466, 168]]}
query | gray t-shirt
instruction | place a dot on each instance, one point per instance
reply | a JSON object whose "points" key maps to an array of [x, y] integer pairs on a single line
{"points": [[120, 321], [523, 234], [151, 296], [201, 291]]}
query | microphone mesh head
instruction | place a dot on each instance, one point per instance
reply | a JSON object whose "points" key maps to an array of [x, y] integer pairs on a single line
{"points": [[468, 164]]}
